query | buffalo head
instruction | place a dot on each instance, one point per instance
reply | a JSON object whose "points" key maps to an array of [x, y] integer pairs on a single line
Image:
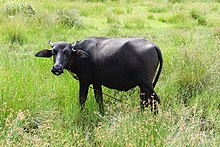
{"points": [[63, 53]]}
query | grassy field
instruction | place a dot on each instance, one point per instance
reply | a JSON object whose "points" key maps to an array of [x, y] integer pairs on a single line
{"points": [[40, 109]]}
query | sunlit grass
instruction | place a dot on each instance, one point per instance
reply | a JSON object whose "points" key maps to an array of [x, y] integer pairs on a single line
{"points": [[40, 109]]}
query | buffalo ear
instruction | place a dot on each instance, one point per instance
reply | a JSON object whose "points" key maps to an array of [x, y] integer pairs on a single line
{"points": [[80, 53], [44, 53]]}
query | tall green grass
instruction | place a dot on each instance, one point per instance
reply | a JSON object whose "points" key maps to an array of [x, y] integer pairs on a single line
{"points": [[40, 109]]}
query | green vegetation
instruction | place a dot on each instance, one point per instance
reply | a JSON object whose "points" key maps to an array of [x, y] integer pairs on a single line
{"points": [[40, 109]]}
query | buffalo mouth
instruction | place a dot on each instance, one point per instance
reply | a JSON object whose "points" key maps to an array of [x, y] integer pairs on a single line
{"points": [[56, 72]]}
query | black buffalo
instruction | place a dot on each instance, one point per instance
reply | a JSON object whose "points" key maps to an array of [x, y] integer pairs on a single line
{"points": [[117, 63]]}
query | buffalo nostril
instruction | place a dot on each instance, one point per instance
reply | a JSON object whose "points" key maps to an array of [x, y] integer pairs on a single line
{"points": [[57, 67]]}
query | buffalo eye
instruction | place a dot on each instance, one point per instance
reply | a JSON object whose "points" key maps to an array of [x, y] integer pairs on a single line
{"points": [[66, 52], [54, 51]]}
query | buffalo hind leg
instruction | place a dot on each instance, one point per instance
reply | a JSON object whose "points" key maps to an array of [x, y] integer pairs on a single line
{"points": [[99, 97], [143, 100], [149, 97], [154, 101]]}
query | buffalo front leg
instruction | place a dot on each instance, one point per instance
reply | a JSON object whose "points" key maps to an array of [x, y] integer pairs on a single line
{"points": [[99, 97], [83, 92]]}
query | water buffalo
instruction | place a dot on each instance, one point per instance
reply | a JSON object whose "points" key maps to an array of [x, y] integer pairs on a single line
{"points": [[117, 63]]}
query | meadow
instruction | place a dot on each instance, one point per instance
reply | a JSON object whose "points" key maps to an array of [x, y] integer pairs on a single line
{"points": [[40, 109]]}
